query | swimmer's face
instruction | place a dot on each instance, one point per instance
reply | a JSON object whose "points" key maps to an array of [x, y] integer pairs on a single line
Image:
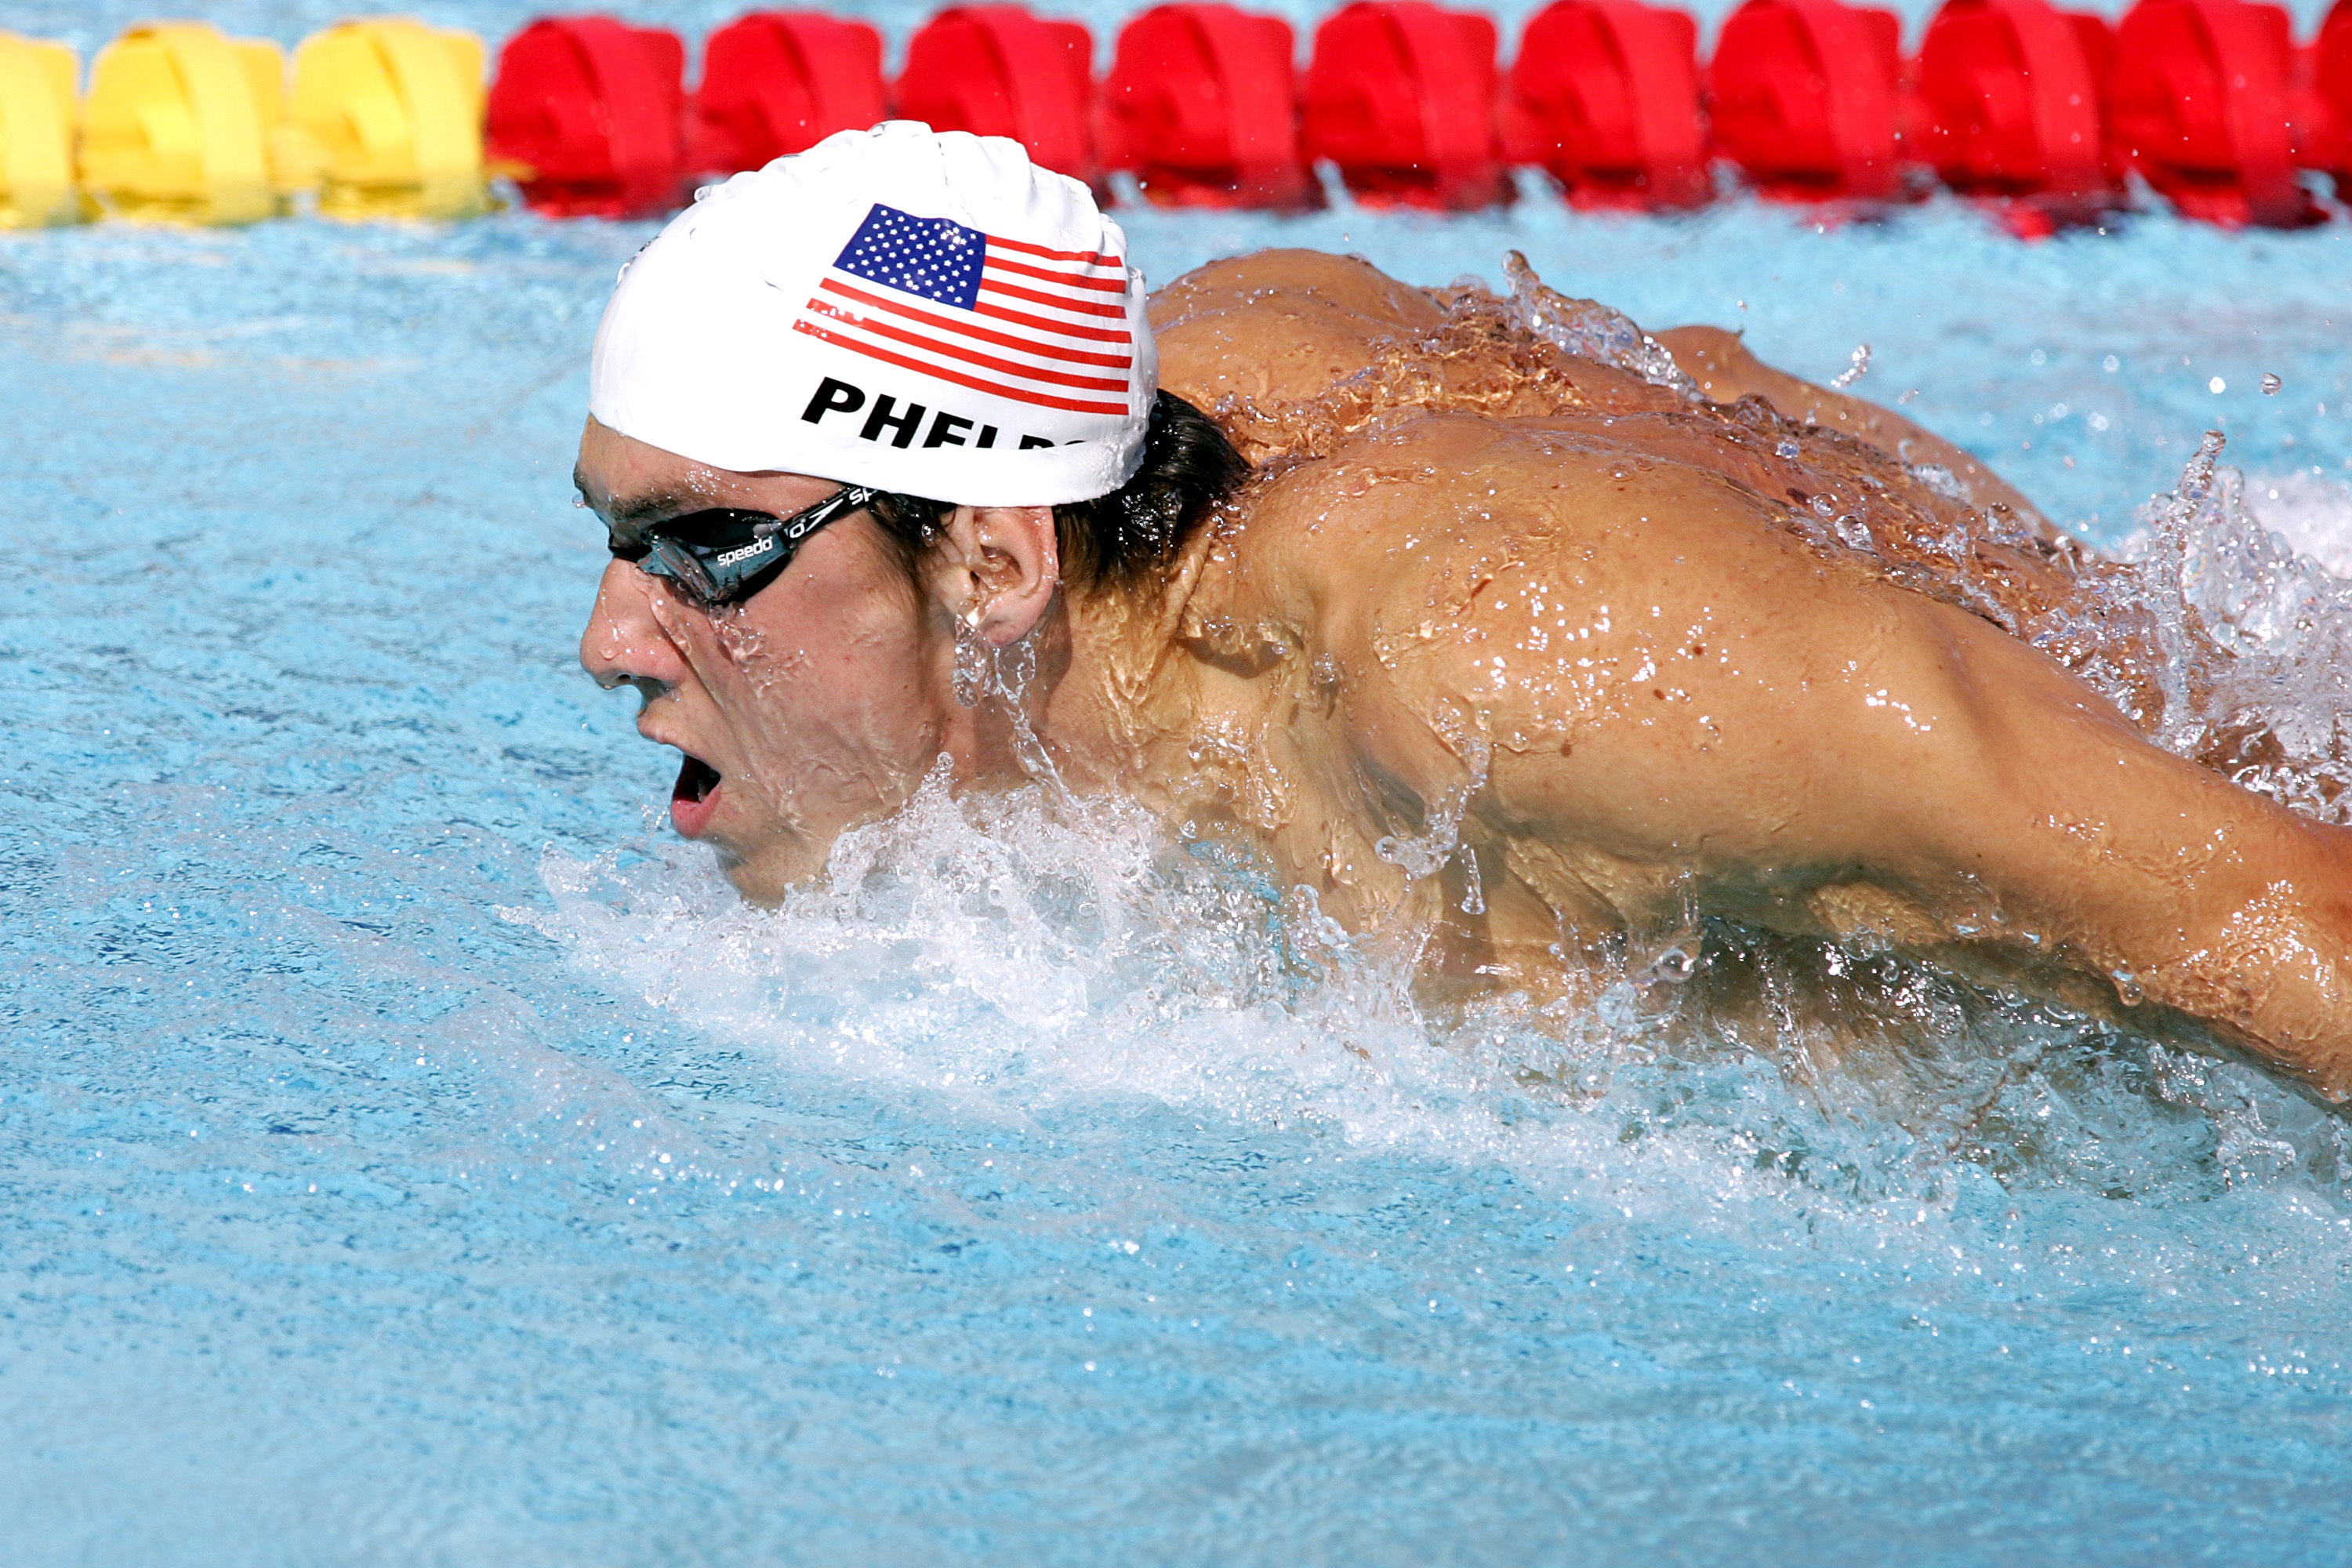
{"points": [[814, 705]]}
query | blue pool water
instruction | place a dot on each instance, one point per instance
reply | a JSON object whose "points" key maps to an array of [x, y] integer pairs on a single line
{"points": [[407, 1155]]}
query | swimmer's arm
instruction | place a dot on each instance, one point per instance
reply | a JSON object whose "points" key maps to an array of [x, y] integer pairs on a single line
{"points": [[1726, 370], [2114, 859]]}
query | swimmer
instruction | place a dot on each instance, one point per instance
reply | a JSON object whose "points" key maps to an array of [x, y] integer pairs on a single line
{"points": [[1504, 629]]}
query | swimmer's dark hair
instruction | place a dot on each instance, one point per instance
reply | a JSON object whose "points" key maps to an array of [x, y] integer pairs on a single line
{"points": [[1121, 539]]}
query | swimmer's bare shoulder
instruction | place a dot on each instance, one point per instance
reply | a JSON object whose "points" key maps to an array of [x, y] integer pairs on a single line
{"points": [[1278, 326], [1676, 708]]}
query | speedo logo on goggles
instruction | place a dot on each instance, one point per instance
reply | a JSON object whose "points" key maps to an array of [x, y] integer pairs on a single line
{"points": [[759, 547]]}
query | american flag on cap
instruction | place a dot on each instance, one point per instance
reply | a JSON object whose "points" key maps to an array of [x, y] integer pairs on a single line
{"points": [[1035, 325]]}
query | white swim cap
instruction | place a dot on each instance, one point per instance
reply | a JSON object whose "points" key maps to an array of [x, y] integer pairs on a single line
{"points": [[923, 311]]}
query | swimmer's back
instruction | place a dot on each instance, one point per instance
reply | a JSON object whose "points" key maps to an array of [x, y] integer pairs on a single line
{"points": [[1630, 630], [1250, 337], [1648, 702]]}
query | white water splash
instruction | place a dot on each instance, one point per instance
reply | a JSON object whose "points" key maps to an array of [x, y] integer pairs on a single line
{"points": [[2311, 511], [1589, 330], [2251, 636]]}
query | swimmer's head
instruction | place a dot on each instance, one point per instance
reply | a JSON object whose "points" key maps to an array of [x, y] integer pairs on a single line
{"points": [[929, 316], [925, 312]]}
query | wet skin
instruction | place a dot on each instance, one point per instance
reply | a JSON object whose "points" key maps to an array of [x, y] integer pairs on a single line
{"points": [[1491, 611], [823, 700]]}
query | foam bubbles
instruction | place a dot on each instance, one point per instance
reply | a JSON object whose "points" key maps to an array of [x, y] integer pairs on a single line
{"points": [[2311, 511]]}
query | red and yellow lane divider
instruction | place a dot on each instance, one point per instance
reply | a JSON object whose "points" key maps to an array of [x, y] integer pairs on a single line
{"points": [[2044, 113]]}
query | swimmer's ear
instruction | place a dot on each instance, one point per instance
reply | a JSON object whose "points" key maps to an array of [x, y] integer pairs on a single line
{"points": [[997, 569]]}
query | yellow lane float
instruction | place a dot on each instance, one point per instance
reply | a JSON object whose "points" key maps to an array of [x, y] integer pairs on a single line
{"points": [[386, 116], [181, 125], [36, 133]]}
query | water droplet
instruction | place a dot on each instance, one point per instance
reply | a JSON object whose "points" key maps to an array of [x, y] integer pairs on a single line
{"points": [[1941, 479], [1589, 330], [971, 674], [1672, 967], [2271, 384]]}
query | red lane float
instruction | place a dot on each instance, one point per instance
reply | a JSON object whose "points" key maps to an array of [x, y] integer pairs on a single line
{"points": [[1201, 106], [998, 70], [1605, 96], [588, 115], [775, 82], [2327, 142], [2202, 109], [2010, 92], [1400, 95], [1805, 100]]}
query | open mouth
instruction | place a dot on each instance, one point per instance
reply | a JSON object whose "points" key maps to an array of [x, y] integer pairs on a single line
{"points": [[689, 798]]}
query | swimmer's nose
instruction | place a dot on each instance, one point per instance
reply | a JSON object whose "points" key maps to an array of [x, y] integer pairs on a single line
{"points": [[624, 641]]}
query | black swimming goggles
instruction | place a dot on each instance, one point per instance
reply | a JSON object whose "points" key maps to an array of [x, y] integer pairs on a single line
{"points": [[725, 555]]}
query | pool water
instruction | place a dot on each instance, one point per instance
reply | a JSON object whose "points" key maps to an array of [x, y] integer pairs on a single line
{"points": [[408, 1154]]}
